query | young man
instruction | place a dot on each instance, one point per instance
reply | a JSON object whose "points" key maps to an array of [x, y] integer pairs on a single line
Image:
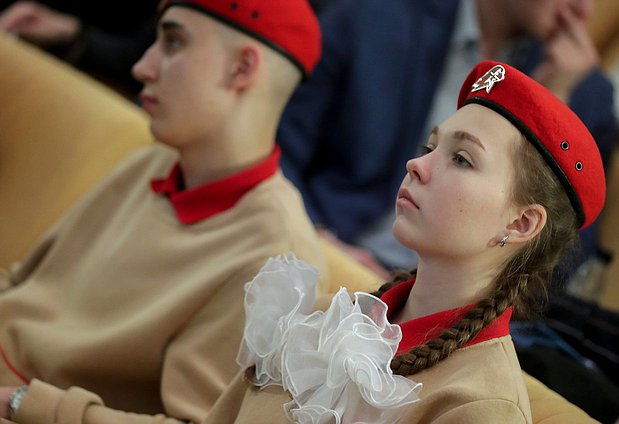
{"points": [[131, 309]]}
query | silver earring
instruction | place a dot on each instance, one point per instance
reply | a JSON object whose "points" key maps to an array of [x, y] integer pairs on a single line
{"points": [[502, 241]]}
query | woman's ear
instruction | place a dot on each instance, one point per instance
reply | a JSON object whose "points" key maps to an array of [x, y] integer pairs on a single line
{"points": [[528, 223], [245, 67]]}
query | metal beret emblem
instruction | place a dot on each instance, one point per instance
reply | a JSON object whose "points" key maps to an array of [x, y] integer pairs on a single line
{"points": [[487, 81]]}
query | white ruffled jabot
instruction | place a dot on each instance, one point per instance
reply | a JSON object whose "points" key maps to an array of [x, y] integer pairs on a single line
{"points": [[335, 364]]}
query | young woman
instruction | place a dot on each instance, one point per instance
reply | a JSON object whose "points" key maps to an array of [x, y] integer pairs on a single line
{"points": [[498, 194]]}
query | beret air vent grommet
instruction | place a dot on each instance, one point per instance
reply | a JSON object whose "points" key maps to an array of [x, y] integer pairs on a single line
{"points": [[578, 166], [565, 145]]}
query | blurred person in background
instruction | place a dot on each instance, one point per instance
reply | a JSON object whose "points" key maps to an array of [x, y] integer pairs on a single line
{"points": [[103, 39]]}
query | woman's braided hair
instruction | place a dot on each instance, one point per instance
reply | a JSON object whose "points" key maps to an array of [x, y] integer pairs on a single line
{"points": [[522, 281]]}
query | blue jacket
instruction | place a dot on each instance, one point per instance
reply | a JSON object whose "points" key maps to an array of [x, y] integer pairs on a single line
{"points": [[347, 133]]}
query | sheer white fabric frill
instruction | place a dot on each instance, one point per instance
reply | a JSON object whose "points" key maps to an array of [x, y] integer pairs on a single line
{"points": [[335, 364]]}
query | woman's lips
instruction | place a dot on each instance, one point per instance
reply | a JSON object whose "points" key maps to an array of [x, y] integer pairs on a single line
{"points": [[405, 199]]}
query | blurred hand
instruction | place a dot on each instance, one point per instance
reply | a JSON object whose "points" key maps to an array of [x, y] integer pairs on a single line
{"points": [[363, 256], [570, 54], [5, 394], [39, 24]]}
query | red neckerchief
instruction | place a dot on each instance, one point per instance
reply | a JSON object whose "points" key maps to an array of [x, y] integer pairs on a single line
{"points": [[218, 196], [418, 331]]}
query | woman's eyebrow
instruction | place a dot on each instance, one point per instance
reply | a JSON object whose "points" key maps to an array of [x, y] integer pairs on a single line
{"points": [[463, 135]]}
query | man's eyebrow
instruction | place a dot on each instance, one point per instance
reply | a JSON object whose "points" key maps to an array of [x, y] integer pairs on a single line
{"points": [[169, 25]]}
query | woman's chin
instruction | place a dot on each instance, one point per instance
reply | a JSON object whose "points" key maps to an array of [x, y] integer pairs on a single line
{"points": [[401, 232]]}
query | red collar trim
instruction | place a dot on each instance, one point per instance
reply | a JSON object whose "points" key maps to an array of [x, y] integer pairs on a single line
{"points": [[420, 330], [218, 196]]}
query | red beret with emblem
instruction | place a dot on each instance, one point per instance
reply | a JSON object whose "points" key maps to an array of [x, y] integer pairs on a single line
{"points": [[288, 26], [554, 129]]}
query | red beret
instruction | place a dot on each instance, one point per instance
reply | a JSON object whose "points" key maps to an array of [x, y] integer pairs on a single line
{"points": [[553, 128], [288, 26]]}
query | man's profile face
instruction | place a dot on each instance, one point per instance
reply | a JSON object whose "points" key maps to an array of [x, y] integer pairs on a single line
{"points": [[183, 74]]}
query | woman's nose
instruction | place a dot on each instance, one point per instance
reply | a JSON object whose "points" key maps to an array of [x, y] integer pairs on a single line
{"points": [[416, 170]]}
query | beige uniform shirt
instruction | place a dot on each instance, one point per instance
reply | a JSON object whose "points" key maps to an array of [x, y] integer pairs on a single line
{"points": [[476, 385], [122, 314]]}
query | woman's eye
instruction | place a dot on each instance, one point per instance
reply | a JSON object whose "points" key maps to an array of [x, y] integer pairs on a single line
{"points": [[461, 161]]}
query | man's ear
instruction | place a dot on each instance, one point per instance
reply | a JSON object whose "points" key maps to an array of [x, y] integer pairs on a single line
{"points": [[245, 67], [529, 222]]}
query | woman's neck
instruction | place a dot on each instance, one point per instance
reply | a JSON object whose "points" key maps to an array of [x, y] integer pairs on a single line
{"points": [[442, 284]]}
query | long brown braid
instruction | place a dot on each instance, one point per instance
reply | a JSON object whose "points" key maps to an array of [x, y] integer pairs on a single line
{"points": [[522, 281]]}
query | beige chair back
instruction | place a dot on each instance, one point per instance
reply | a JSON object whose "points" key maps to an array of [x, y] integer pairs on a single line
{"points": [[60, 133]]}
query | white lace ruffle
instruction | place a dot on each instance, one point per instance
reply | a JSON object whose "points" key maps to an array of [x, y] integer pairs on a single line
{"points": [[335, 364]]}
